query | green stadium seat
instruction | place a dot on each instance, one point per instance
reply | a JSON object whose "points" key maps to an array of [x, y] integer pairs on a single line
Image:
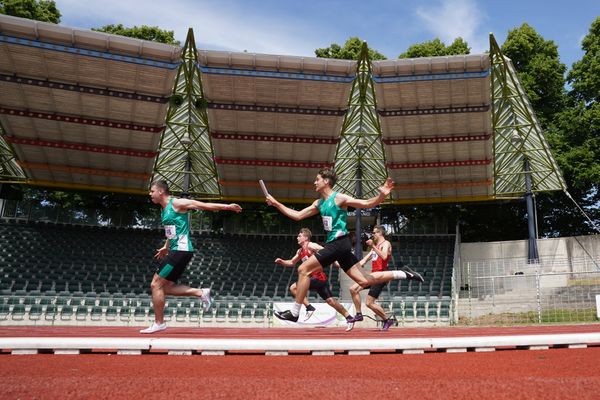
{"points": [[432, 311], [125, 314], [96, 313], [81, 313], [111, 313], [50, 313], [18, 312], [35, 312], [66, 312], [194, 314], [260, 314]]}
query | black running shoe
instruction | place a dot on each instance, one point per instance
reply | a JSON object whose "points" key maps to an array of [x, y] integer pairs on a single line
{"points": [[286, 316], [412, 275], [310, 309]]}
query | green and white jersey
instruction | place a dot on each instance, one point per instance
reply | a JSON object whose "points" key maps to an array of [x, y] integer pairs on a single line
{"points": [[177, 228], [334, 218]]}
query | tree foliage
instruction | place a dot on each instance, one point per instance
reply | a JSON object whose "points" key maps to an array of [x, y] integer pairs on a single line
{"points": [[575, 137], [540, 70], [144, 32], [350, 51], [39, 10], [435, 48], [584, 77]]}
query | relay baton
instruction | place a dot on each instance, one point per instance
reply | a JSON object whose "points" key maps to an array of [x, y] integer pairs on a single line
{"points": [[263, 187]]}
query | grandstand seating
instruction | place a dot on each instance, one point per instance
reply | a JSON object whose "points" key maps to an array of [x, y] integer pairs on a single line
{"points": [[83, 274]]}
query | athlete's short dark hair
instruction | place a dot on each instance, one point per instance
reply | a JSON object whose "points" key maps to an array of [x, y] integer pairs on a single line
{"points": [[329, 174], [306, 232], [161, 185], [381, 229]]}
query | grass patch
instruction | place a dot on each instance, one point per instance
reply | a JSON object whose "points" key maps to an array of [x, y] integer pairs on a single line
{"points": [[557, 316], [584, 282]]}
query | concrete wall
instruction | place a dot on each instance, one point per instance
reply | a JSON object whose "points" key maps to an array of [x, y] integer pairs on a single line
{"points": [[565, 247], [494, 277]]}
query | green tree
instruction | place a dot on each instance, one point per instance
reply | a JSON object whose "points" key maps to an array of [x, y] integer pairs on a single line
{"points": [[575, 139], [144, 32], [584, 77], [350, 51], [540, 70], [436, 47], [119, 209], [39, 10]]}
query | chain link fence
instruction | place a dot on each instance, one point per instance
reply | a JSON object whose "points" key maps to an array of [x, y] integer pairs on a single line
{"points": [[512, 291]]}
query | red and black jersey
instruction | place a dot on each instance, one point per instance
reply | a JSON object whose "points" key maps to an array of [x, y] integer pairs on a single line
{"points": [[305, 254], [378, 263]]}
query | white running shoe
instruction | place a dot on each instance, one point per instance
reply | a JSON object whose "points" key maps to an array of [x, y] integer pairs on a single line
{"points": [[154, 328], [206, 300]]}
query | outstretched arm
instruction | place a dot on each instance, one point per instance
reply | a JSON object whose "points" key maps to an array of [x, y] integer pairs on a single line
{"points": [[289, 263], [384, 191], [189, 204], [293, 214]]}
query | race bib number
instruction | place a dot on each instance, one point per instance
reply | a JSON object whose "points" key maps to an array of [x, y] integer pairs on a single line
{"points": [[170, 232], [304, 258], [328, 223]]}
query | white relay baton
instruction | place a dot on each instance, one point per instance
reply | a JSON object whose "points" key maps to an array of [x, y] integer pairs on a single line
{"points": [[263, 187]]}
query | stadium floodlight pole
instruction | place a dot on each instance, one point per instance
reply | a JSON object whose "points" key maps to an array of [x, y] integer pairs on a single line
{"points": [[532, 254]]}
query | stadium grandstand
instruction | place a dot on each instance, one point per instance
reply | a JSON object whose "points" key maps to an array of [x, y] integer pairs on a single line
{"points": [[87, 110]]}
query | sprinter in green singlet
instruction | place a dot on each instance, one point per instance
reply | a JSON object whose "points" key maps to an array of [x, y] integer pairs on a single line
{"points": [[338, 247], [177, 251]]}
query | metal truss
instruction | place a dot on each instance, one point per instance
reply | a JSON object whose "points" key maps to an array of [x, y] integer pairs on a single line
{"points": [[185, 154], [360, 155], [10, 171], [518, 136]]}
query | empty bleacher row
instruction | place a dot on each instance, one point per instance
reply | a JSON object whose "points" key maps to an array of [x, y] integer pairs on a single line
{"points": [[85, 274]]}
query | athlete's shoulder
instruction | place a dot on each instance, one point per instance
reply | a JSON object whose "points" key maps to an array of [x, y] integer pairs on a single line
{"points": [[179, 204], [341, 198]]}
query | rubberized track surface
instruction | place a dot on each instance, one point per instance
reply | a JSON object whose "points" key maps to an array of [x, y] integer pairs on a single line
{"points": [[289, 333], [558, 373]]}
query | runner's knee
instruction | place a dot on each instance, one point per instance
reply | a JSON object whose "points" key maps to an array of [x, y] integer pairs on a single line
{"points": [[302, 270]]}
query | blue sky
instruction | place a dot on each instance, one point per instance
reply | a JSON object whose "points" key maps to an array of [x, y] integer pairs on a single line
{"points": [[299, 27]]}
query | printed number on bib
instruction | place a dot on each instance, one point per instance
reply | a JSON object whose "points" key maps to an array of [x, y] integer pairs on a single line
{"points": [[328, 223], [170, 232]]}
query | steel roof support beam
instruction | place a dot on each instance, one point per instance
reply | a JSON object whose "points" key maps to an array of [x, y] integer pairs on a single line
{"points": [[185, 154], [518, 135], [9, 169], [360, 149]]}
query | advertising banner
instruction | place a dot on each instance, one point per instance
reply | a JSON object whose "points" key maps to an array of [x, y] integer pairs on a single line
{"points": [[324, 315]]}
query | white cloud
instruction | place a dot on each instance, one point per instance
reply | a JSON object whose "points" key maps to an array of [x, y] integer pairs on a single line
{"points": [[455, 18], [217, 25]]}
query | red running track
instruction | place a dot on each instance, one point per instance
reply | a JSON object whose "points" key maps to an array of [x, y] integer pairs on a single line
{"points": [[290, 333], [514, 374]]}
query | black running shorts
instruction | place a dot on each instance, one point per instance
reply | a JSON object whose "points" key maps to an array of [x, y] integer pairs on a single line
{"points": [[339, 250], [321, 287], [172, 266], [375, 290]]}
